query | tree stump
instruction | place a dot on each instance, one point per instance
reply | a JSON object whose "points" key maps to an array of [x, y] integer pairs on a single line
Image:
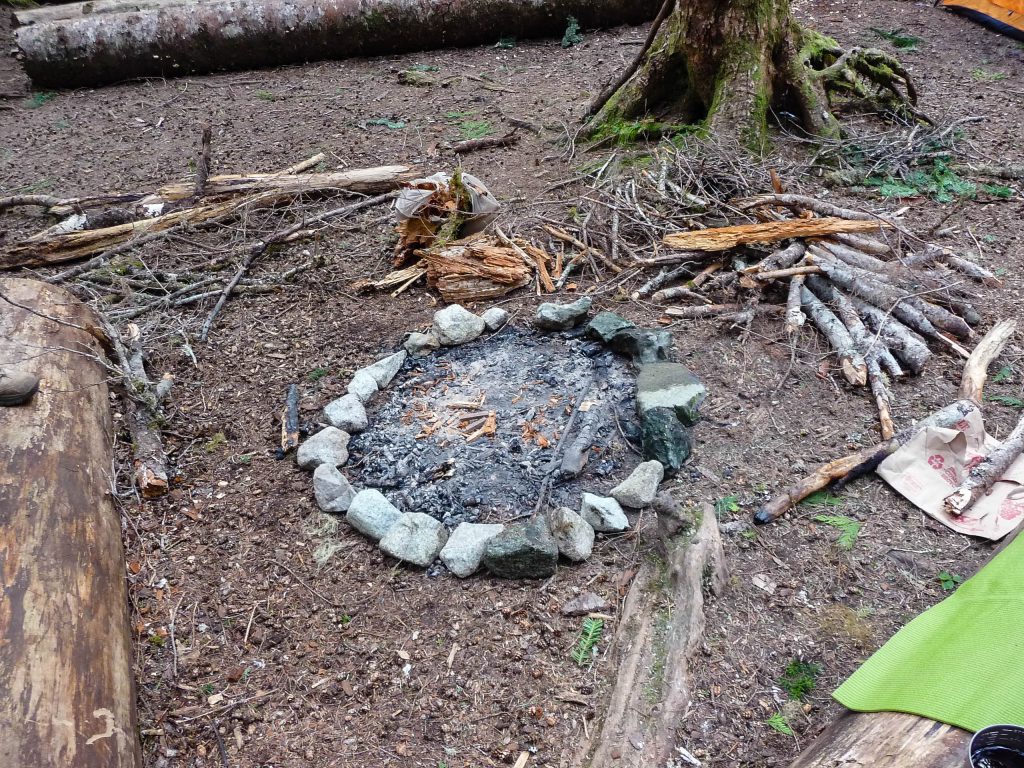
{"points": [[65, 650]]}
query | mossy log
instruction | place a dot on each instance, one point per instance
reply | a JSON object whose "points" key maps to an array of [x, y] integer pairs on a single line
{"points": [[65, 652], [89, 43]]}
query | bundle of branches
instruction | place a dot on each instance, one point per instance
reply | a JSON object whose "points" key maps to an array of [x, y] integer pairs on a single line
{"points": [[444, 241]]}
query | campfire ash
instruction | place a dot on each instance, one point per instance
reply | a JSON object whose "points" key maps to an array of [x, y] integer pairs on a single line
{"points": [[477, 433]]}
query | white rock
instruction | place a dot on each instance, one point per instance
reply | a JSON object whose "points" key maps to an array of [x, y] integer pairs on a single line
{"points": [[603, 514], [464, 552], [573, 534], [328, 446], [420, 344], [639, 489], [385, 369], [332, 489], [346, 413], [363, 386], [415, 538], [495, 318], [371, 514], [456, 325]]}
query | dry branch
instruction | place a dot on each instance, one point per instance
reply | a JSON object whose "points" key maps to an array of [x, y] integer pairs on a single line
{"points": [[985, 474], [795, 317], [867, 459], [724, 238], [487, 142], [850, 359], [802, 203], [904, 342]]}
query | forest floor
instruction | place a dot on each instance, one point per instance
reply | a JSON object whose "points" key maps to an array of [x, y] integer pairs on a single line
{"points": [[277, 660]]}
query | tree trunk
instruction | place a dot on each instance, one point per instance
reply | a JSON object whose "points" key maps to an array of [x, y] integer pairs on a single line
{"points": [[96, 43], [65, 652]]}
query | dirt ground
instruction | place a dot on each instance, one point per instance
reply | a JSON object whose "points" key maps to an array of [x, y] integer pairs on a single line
{"points": [[278, 660]]}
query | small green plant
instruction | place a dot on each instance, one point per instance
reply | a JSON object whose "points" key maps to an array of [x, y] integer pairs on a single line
{"points": [[208, 689], [345, 620], [799, 678], [625, 132], [590, 636], [822, 499], [506, 43], [265, 95], [898, 38], [394, 125], [949, 581], [848, 529], [317, 373], [1003, 374], [244, 458], [157, 641], [778, 722], [750, 534], [940, 182], [215, 442], [475, 129], [986, 76], [727, 505], [572, 34], [39, 98], [1000, 191], [1010, 402]]}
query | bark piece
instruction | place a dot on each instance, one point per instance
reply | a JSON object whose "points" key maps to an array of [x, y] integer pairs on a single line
{"points": [[85, 48], [69, 698], [724, 238], [983, 476]]}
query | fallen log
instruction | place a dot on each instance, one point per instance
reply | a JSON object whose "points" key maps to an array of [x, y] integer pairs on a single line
{"points": [[724, 238], [658, 631], [168, 38], [66, 669], [862, 462]]}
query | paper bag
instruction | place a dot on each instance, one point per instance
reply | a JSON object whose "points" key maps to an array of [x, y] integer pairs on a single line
{"points": [[931, 465]]}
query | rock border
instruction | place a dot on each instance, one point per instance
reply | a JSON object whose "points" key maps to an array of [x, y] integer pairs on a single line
{"points": [[668, 408]]}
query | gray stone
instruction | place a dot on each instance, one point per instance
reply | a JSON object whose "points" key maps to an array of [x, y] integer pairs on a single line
{"points": [[670, 385], [332, 489], [585, 603], [415, 538], [363, 386], [420, 344], [573, 535], [664, 438], [524, 551], [495, 318], [465, 549], [346, 413], [605, 325], [562, 317], [603, 514], [456, 325], [328, 446], [642, 345], [639, 489], [371, 514], [385, 369]]}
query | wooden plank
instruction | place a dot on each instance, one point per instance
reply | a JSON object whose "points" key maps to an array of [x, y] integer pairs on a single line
{"points": [[724, 238], [65, 652]]}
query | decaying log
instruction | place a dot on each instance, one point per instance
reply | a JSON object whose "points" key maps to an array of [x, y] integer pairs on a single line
{"points": [[658, 631], [850, 359], [66, 658], [724, 238], [171, 38], [266, 191], [872, 740], [867, 459], [985, 474]]}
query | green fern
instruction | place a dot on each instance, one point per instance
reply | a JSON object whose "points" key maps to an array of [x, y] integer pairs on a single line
{"points": [[778, 722], [1010, 402], [572, 34], [822, 499], [848, 529], [590, 636], [1003, 374]]}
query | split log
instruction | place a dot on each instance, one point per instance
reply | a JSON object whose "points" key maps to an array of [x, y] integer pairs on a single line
{"points": [[862, 462], [985, 474], [724, 238], [652, 651], [66, 670], [170, 38], [850, 359]]}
